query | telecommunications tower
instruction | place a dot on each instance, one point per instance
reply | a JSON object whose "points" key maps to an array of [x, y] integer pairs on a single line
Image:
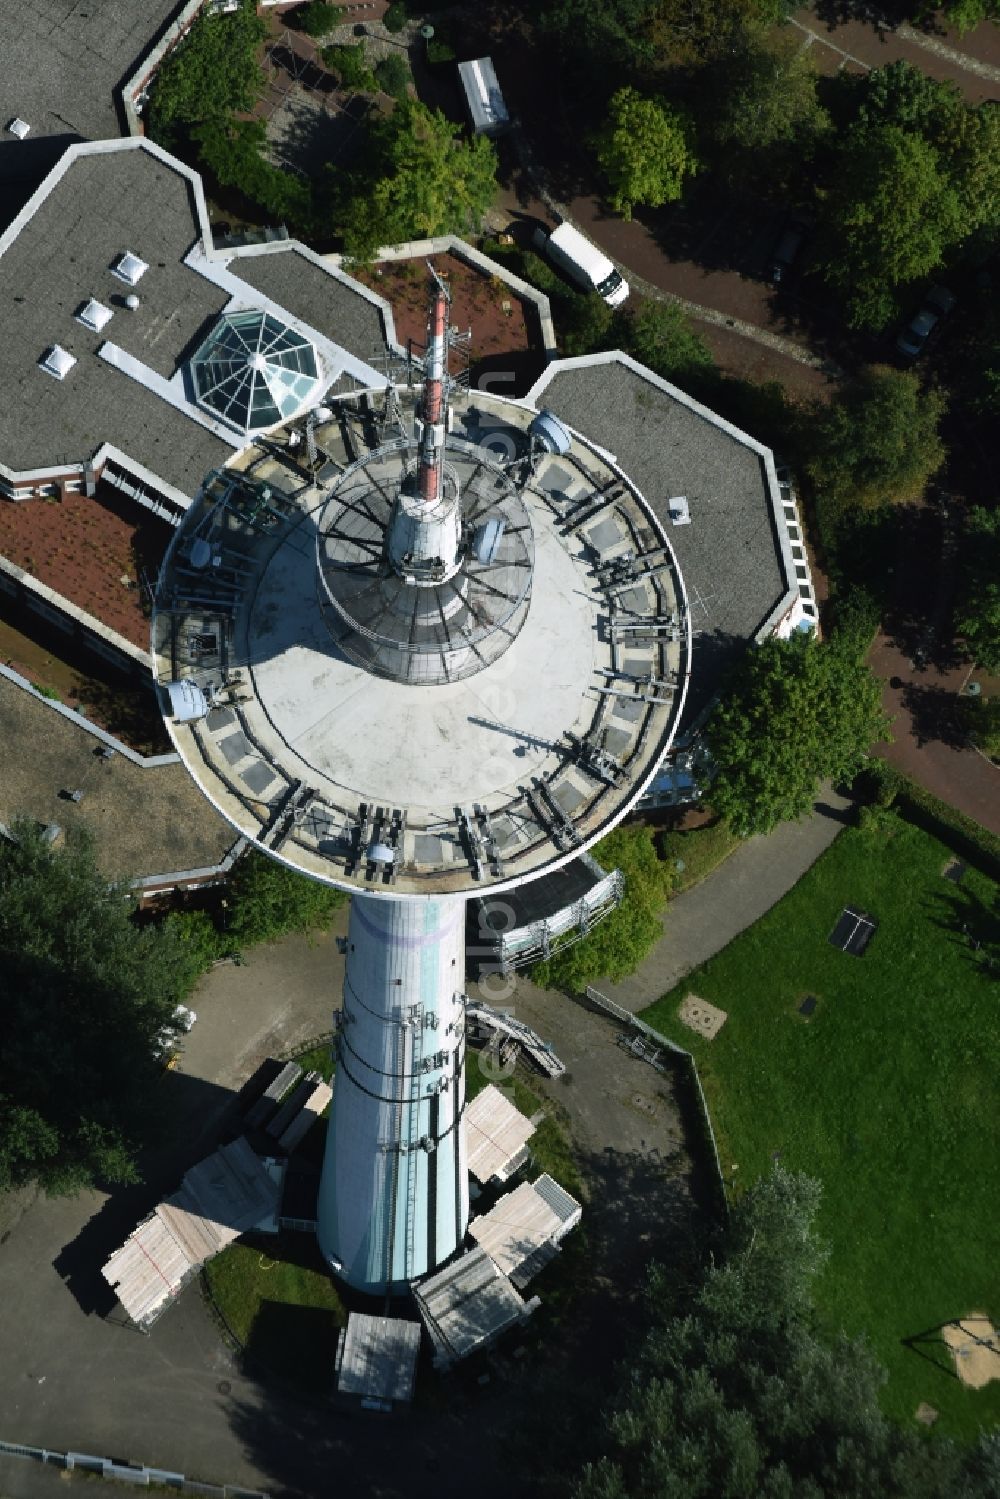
{"points": [[435, 649]]}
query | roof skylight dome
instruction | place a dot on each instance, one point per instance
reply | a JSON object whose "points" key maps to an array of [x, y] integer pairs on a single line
{"points": [[255, 371], [130, 268], [57, 361], [94, 315]]}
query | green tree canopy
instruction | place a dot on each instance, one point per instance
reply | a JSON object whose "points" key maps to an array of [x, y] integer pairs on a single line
{"points": [[888, 216], [421, 177], [977, 615], [699, 31], [966, 137], [83, 997], [597, 35], [734, 1395], [643, 152], [763, 97], [793, 713], [660, 336], [213, 72], [267, 899], [877, 442], [618, 944], [962, 14]]}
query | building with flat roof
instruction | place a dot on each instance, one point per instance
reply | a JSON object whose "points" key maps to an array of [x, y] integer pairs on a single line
{"points": [[137, 402], [747, 577]]}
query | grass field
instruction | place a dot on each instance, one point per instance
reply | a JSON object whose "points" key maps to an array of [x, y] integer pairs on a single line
{"points": [[887, 1094], [279, 1301]]}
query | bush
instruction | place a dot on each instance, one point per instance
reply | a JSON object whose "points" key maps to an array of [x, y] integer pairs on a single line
{"points": [[268, 899], [349, 65], [317, 18], [395, 17], [440, 51], [619, 943], [393, 76]]}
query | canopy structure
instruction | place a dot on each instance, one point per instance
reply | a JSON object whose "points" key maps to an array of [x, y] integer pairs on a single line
{"points": [[255, 371]]}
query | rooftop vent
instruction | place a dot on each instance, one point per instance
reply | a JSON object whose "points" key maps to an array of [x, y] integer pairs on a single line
{"points": [[132, 302], [130, 268], [56, 362], [679, 510], [18, 127], [94, 315]]}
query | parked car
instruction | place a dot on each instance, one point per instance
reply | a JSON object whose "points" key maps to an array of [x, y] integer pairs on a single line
{"points": [[936, 305], [787, 250]]}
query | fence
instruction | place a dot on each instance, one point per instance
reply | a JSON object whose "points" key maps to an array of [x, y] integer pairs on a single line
{"points": [[135, 1473], [690, 1074]]}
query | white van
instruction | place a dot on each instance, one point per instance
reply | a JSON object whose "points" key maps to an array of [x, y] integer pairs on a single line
{"points": [[587, 265]]}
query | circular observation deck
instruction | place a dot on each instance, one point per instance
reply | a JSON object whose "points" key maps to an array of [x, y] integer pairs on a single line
{"points": [[384, 730]]}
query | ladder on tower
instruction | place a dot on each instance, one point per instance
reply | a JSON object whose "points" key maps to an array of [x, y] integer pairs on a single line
{"points": [[415, 1028]]}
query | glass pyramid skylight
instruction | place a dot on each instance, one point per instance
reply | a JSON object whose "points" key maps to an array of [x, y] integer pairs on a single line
{"points": [[255, 371]]}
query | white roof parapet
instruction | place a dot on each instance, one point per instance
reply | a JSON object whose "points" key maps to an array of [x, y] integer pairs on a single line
{"points": [[57, 361], [496, 1133], [377, 1359]]}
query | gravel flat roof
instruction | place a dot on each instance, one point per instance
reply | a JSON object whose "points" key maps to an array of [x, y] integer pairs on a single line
{"points": [[62, 61], [44, 753], [730, 555], [334, 306], [103, 205]]}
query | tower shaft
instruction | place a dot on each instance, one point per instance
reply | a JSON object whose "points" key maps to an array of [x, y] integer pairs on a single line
{"points": [[393, 1200]]}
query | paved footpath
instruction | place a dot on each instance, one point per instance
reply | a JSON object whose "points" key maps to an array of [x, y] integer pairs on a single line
{"points": [[706, 918]]}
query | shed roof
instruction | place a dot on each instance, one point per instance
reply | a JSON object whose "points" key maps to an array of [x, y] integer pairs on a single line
{"points": [[220, 1198], [495, 1132], [377, 1357], [524, 1221], [467, 1305]]}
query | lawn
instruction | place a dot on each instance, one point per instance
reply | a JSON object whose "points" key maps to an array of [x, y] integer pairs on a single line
{"points": [[278, 1300], [887, 1094]]}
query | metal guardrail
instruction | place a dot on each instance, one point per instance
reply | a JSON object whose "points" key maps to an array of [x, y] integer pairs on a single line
{"points": [[134, 1473], [611, 1008]]}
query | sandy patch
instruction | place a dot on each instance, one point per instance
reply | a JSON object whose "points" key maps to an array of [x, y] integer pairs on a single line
{"points": [[698, 1015], [975, 1343], [926, 1414]]}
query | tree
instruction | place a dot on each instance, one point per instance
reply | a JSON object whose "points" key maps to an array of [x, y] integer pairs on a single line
{"points": [[317, 18], [83, 997], [267, 899], [701, 31], [793, 713], [421, 177], [213, 72], [965, 137], [888, 216], [734, 1395], [643, 152], [618, 944], [962, 14], [660, 337], [598, 35], [877, 442], [764, 97], [977, 615]]}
